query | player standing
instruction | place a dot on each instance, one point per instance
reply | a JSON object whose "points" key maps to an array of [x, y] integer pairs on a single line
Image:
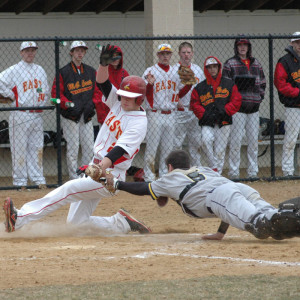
{"points": [[162, 99], [186, 122], [214, 101], [26, 85], [77, 84], [116, 145]]}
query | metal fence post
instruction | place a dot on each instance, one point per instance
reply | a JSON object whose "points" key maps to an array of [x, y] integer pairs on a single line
{"points": [[58, 127], [272, 152]]}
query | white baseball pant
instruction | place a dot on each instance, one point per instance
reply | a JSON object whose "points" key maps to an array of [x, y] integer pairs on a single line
{"points": [[214, 143], [160, 135], [292, 128], [75, 134], [26, 141], [84, 194], [237, 203], [249, 124], [186, 126]]}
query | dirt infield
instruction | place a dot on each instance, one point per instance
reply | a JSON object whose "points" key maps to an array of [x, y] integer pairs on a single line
{"points": [[50, 253]]}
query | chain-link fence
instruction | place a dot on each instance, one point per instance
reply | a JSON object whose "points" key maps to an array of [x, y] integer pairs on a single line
{"points": [[33, 145]]}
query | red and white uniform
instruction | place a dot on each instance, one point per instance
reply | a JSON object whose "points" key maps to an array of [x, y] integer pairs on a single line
{"points": [[161, 104], [27, 85], [187, 123], [126, 129]]}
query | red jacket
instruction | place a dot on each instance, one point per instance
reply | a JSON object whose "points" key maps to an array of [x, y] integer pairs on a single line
{"points": [[214, 95]]}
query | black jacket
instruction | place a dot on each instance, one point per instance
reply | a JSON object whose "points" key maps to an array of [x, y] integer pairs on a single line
{"points": [[79, 88]]}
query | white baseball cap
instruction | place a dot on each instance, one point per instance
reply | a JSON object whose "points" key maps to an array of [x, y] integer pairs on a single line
{"points": [[211, 61], [25, 45], [164, 48], [297, 36], [77, 44]]}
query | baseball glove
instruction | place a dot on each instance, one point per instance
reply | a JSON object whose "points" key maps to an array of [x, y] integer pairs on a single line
{"points": [[107, 55], [95, 172], [187, 76]]}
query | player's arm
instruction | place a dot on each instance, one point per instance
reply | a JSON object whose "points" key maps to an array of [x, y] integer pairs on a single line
{"points": [[219, 234], [135, 188], [281, 83], [107, 56], [234, 103], [196, 106], [7, 84]]}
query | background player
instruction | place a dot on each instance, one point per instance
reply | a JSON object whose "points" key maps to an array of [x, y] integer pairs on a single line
{"points": [[116, 145], [203, 193], [26, 85], [214, 101], [286, 80], [162, 89], [77, 120], [186, 122]]}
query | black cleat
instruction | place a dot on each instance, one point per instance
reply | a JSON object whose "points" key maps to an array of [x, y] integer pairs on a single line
{"points": [[134, 224]]}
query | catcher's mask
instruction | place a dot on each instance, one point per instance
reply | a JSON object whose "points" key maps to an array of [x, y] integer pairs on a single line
{"points": [[133, 87]]}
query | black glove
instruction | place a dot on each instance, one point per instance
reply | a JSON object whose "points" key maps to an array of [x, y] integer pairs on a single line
{"points": [[81, 169], [107, 55], [209, 118]]}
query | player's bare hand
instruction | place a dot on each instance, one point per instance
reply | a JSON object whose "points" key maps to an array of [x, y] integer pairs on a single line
{"points": [[216, 236], [5, 99], [111, 183], [150, 78]]}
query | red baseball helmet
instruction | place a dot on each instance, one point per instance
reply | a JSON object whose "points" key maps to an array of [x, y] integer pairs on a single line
{"points": [[133, 87]]}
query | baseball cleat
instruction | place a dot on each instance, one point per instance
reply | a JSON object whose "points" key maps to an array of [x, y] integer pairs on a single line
{"points": [[10, 215], [135, 225], [286, 221]]}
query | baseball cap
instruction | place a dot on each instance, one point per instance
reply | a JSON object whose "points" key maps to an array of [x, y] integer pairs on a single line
{"points": [[76, 44], [297, 36], [25, 45], [211, 61], [242, 41], [164, 48]]}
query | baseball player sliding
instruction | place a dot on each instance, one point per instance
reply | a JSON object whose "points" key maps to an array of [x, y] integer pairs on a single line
{"points": [[203, 193], [115, 147], [25, 84]]}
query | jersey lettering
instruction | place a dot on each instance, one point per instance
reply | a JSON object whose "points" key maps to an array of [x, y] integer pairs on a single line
{"points": [[175, 98], [114, 126], [111, 147], [29, 85], [161, 85], [206, 99], [221, 93], [296, 76], [107, 122], [41, 97]]}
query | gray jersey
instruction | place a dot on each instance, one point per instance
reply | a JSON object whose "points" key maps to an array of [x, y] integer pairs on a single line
{"points": [[173, 184]]}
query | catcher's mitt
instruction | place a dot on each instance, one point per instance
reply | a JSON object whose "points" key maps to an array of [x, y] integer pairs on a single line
{"points": [[187, 76], [95, 172]]}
